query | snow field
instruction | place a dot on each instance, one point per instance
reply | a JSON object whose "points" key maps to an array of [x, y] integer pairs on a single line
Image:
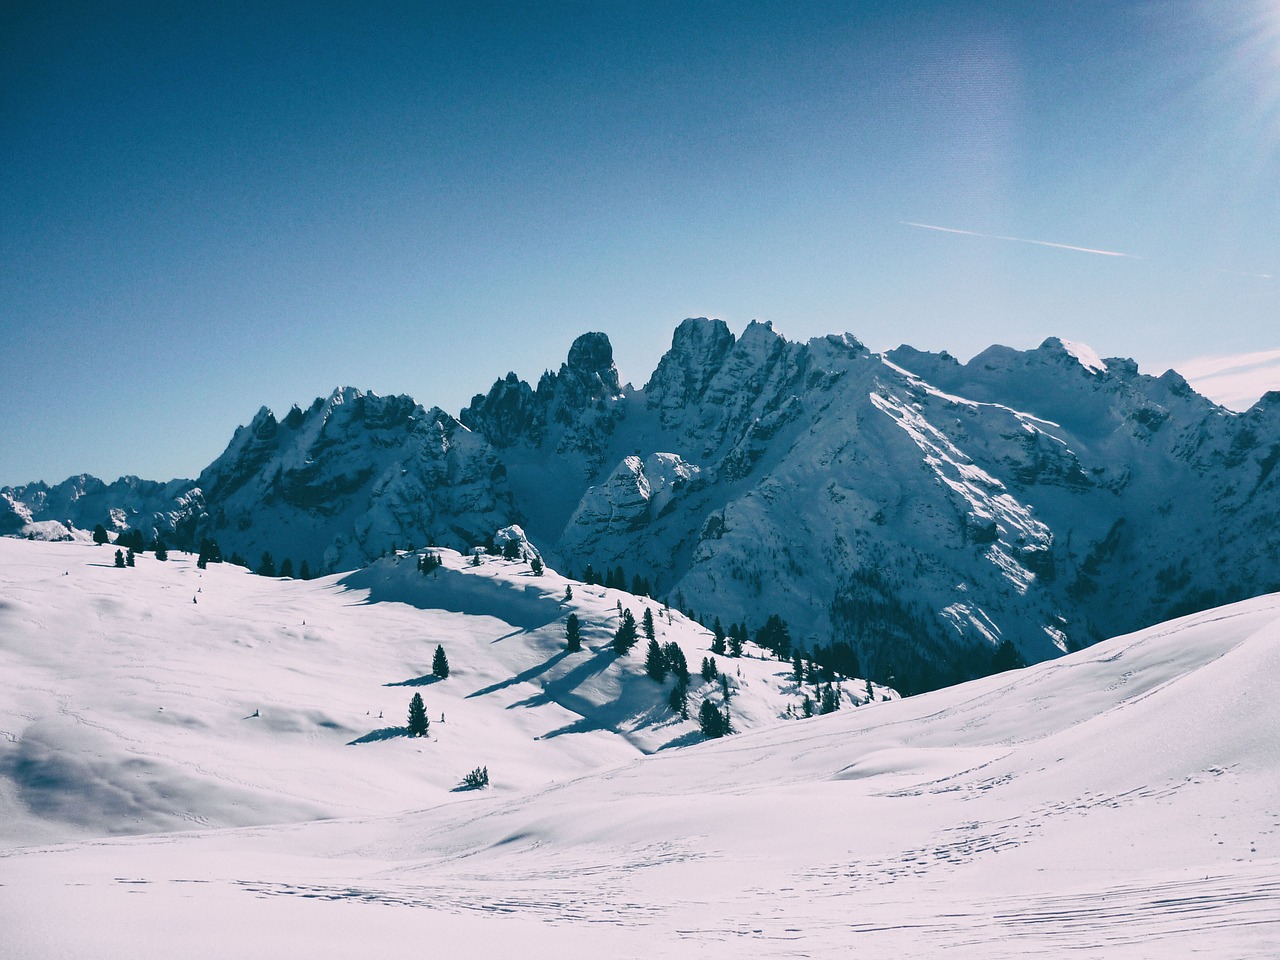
{"points": [[1118, 802]]}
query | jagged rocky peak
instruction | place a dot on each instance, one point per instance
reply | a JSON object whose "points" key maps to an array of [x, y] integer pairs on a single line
{"points": [[698, 349], [590, 370], [512, 411]]}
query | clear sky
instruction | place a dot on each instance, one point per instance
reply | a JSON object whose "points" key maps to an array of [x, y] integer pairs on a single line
{"points": [[205, 208]]}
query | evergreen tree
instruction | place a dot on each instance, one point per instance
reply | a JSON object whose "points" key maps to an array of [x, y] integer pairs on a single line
{"points": [[572, 634], [678, 701], [806, 707], [130, 558], [162, 552], [286, 568], [676, 662], [797, 668], [440, 663], [120, 559], [655, 664], [710, 720], [419, 725], [647, 622], [535, 566], [775, 636], [1006, 657], [737, 635], [830, 700], [511, 550], [267, 566], [475, 560], [304, 571], [477, 779], [709, 668], [100, 534], [568, 593], [589, 575], [717, 644], [626, 636]]}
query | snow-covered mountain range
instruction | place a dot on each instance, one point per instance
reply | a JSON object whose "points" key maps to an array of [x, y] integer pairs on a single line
{"points": [[920, 509]]}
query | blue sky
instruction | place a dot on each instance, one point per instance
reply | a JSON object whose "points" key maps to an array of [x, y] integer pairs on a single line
{"points": [[208, 209]]}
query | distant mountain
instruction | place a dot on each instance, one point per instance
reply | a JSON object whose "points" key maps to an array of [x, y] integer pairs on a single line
{"points": [[922, 510]]}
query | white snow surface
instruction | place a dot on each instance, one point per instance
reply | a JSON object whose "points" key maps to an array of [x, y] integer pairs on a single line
{"points": [[1118, 802], [1086, 355]]}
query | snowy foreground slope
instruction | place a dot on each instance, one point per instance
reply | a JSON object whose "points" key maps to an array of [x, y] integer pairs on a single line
{"points": [[1123, 801], [164, 697]]}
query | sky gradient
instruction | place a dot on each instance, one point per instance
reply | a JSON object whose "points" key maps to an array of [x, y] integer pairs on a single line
{"points": [[206, 210]]}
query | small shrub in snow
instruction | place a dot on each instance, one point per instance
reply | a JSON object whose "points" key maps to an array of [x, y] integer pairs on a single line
{"points": [[477, 779]]}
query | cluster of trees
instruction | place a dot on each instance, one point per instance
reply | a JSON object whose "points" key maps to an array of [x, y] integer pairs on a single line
{"points": [[477, 779], [616, 579], [210, 552], [125, 560], [728, 643], [429, 562], [267, 567], [714, 721]]}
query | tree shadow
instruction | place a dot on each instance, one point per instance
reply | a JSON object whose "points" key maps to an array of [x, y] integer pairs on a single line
{"points": [[385, 733], [563, 689], [523, 677], [424, 681]]}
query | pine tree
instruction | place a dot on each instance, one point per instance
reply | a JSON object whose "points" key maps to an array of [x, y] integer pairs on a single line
{"points": [[737, 636], [647, 621], [130, 558], [710, 720], [626, 636], [655, 664], [162, 552], [440, 663], [511, 550], [589, 575], [475, 560], [676, 662], [267, 566], [535, 566], [709, 668], [717, 644], [678, 701], [830, 700], [100, 534], [286, 568], [419, 725], [797, 668], [806, 707], [304, 571], [120, 559], [568, 593], [572, 634]]}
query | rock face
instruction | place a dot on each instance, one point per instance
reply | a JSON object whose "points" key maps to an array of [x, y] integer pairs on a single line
{"points": [[922, 510]]}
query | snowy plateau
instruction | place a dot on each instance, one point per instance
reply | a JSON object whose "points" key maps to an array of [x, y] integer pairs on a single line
{"points": [[208, 763]]}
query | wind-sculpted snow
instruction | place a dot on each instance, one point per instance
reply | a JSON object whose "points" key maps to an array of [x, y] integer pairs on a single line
{"points": [[1118, 802]]}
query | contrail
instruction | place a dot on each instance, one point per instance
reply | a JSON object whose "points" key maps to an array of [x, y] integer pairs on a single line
{"points": [[1039, 243]]}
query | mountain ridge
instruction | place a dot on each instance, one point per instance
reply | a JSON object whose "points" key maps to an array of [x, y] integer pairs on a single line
{"points": [[923, 510]]}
